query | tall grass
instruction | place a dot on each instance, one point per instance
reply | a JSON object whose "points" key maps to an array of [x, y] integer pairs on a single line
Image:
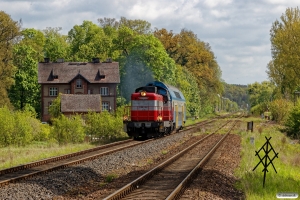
{"points": [[14, 156], [287, 178]]}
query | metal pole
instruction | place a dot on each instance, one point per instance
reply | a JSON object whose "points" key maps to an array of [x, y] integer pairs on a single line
{"points": [[266, 160]]}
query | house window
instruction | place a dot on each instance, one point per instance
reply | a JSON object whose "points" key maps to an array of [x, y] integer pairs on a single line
{"points": [[78, 83], [67, 91], [53, 91], [104, 91], [105, 106]]}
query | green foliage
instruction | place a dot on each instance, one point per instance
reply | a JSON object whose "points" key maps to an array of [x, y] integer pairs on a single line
{"points": [[293, 121], [138, 26], [7, 125], [34, 39], [20, 128], [103, 125], [9, 31], [196, 56], [146, 61], [188, 85], [68, 129], [22, 134], [56, 45], [88, 41], [258, 109], [261, 93], [280, 109], [287, 177], [285, 37], [26, 89], [54, 109], [237, 93]]}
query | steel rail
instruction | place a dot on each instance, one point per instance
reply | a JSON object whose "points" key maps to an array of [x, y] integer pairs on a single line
{"points": [[13, 175], [122, 192], [177, 192]]}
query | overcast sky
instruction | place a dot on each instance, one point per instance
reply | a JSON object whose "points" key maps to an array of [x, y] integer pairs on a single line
{"points": [[237, 30]]}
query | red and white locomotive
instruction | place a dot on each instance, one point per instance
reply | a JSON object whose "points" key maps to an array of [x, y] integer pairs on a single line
{"points": [[156, 109]]}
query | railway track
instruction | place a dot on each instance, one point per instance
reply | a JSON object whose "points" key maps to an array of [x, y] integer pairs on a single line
{"points": [[18, 173], [169, 179]]}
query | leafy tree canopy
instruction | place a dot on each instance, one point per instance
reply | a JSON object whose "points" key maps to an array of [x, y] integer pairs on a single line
{"points": [[284, 69], [9, 30]]}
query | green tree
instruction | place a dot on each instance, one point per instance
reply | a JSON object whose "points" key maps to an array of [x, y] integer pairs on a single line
{"points": [[292, 123], [104, 125], [55, 108], [146, 61], [280, 109], [237, 93], [68, 129], [26, 90], [7, 124], [36, 40], [260, 95], [284, 69], [197, 57], [88, 41], [169, 40], [56, 45], [137, 25], [9, 30]]}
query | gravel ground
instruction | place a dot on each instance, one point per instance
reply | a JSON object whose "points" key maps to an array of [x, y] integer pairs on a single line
{"points": [[80, 180], [88, 180], [216, 180]]}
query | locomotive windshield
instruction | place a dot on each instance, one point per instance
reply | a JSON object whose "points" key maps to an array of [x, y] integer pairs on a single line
{"points": [[150, 89]]}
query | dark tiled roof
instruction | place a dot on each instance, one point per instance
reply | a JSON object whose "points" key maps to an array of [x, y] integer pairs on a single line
{"points": [[80, 103], [67, 71]]}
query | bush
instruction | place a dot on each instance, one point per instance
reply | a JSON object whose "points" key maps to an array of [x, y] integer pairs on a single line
{"points": [[68, 129], [21, 128], [7, 124], [293, 122], [22, 133], [280, 109], [104, 125]]}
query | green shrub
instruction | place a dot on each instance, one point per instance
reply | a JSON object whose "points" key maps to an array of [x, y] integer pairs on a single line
{"points": [[54, 109], [280, 109], [104, 125], [22, 134], [293, 121], [7, 124], [68, 129]]}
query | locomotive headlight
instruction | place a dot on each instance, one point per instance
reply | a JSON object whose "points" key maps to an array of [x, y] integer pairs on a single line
{"points": [[143, 93], [159, 118]]}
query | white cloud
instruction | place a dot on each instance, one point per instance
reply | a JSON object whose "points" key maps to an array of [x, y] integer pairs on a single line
{"points": [[237, 31], [215, 3]]}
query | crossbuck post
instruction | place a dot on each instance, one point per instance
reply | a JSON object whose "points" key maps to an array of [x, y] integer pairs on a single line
{"points": [[266, 149]]}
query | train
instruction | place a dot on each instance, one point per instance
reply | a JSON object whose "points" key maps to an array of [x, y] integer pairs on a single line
{"points": [[156, 109]]}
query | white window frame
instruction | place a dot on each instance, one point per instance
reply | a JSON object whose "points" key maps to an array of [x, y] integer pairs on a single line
{"points": [[53, 91], [78, 83], [105, 105], [104, 91]]}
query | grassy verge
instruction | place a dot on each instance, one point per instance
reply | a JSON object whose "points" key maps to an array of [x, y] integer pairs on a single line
{"points": [[14, 156], [287, 178]]}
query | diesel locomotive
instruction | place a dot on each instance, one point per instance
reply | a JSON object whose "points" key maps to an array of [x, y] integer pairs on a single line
{"points": [[156, 109]]}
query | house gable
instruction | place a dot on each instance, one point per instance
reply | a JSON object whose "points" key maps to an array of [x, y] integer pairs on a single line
{"points": [[85, 79]]}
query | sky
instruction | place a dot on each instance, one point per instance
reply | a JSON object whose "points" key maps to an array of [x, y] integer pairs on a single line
{"points": [[238, 31]]}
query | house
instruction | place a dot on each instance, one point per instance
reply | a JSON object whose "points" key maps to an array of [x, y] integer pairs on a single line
{"points": [[82, 81]]}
